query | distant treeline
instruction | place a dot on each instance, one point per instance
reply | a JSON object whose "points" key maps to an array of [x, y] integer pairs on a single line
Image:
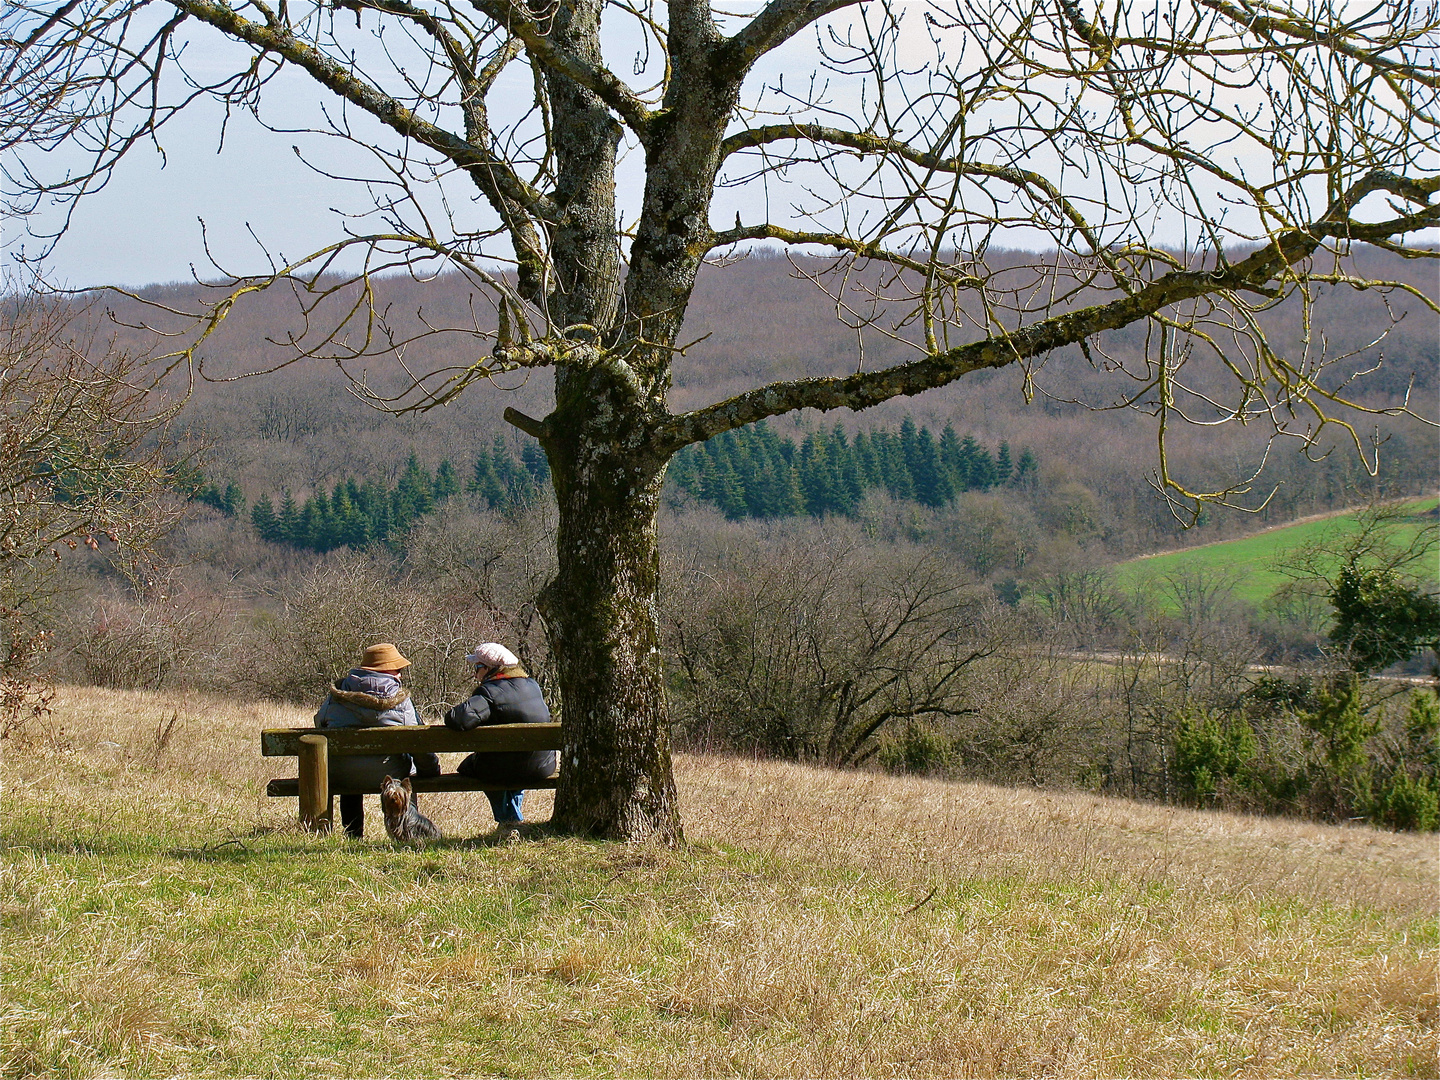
{"points": [[753, 472], [354, 514]]}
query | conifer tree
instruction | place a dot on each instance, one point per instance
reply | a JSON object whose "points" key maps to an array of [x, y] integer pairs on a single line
{"points": [[264, 520], [789, 501], [1026, 469], [909, 449], [684, 472], [308, 530], [343, 511], [849, 477], [967, 461], [536, 463], [287, 524], [952, 459], [864, 452], [413, 494], [486, 483], [726, 491], [982, 470], [1003, 466], [932, 486], [891, 459], [446, 482], [811, 474]]}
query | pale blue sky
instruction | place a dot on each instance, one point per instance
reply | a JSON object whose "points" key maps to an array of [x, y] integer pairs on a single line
{"points": [[145, 226]]}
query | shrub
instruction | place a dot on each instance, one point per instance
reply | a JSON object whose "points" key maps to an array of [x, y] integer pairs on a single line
{"points": [[1407, 803], [333, 612], [813, 650], [1344, 768], [170, 636], [1213, 754], [915, 748]]}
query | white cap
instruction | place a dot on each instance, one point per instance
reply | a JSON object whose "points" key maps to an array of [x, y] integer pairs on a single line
{"points": [[491, 654]]}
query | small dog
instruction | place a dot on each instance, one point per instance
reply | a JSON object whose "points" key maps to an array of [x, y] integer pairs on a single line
{"points": [[403, 820]]}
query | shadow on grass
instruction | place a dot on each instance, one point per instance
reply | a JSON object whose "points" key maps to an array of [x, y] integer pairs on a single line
{"points": [[269, 844], [238, 849]]}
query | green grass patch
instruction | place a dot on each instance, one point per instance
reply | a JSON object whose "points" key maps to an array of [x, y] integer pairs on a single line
{"points": [[1250, 562]]}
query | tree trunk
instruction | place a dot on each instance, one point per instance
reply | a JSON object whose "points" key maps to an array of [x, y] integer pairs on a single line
{"points": [[615, 780]]}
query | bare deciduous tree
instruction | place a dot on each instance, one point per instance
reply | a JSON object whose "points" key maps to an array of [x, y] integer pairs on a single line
{"points": [[85, 459], [814, 650], [84, 455], [1182, 164]]}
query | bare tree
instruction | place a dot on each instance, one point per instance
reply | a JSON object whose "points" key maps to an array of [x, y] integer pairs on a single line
{"points": [[1183, 165], [85, 460], [84, 454], [814, 650]]}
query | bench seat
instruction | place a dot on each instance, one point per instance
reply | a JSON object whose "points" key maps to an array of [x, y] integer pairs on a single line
{"points": [[313, 747], [289, 788]]}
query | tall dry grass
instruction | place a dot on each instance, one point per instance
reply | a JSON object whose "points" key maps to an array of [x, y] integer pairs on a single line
{"points": [[162, 917]]}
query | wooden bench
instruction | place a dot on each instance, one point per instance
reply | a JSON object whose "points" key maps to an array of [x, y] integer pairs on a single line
{"points": [[314, 747]]}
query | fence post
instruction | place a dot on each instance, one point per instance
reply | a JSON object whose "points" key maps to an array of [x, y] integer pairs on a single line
{"points": [[315, 806]]}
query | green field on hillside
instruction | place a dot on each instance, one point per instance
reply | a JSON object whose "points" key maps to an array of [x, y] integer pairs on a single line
{"points": [[1251, 561]]}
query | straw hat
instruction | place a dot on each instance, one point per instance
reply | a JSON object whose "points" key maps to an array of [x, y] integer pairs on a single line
{"points": [[383, 657]]}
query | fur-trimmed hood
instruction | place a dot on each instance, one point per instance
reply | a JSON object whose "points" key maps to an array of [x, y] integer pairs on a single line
{"points": [[367, 699], [358, 700]]}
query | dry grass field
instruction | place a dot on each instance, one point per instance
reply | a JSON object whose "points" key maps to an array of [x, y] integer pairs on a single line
{"points": [[163, 918]]}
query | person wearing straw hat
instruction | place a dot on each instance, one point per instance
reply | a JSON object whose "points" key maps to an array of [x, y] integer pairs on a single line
{"points": [[371, 696], [506, 694]]}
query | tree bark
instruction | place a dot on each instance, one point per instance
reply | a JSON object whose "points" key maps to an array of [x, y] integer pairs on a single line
{"points": [[615, 779], [585, 256]]}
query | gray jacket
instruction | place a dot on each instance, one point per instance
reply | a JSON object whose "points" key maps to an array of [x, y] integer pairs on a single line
{"points": [[366, 698]]}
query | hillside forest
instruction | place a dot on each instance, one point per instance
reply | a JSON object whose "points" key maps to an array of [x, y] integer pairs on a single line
{"points": [[925, 587]]}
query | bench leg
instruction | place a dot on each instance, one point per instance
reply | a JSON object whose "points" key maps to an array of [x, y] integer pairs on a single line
{"points": [[315, 802]]}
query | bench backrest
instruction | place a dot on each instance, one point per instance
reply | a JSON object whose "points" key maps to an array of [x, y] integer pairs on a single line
{"points": [[436, 739]]}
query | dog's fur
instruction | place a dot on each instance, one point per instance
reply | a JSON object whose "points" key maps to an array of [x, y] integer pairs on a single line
{"points": [[403, 820]]}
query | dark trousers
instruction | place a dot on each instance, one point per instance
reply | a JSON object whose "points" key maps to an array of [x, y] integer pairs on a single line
{"points": [[352, 815]]}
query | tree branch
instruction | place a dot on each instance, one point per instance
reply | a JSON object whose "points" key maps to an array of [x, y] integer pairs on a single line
{"points": [[1267, 27], [454, 52], [776, 24], [599, 80], [864, 143], [863, 390], [528, 424], [281, 41], [864, 248]]}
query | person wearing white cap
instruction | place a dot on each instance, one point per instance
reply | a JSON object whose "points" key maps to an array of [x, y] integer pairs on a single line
{"points": [[506, 694]]}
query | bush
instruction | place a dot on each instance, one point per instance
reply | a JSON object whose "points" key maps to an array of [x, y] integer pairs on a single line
{"points": [[1408, 803], [813, 650], [915, 748], [1410, 796], [1330, 760], [465, 578], [171, 636], [343, 604], [1214, 755]]}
